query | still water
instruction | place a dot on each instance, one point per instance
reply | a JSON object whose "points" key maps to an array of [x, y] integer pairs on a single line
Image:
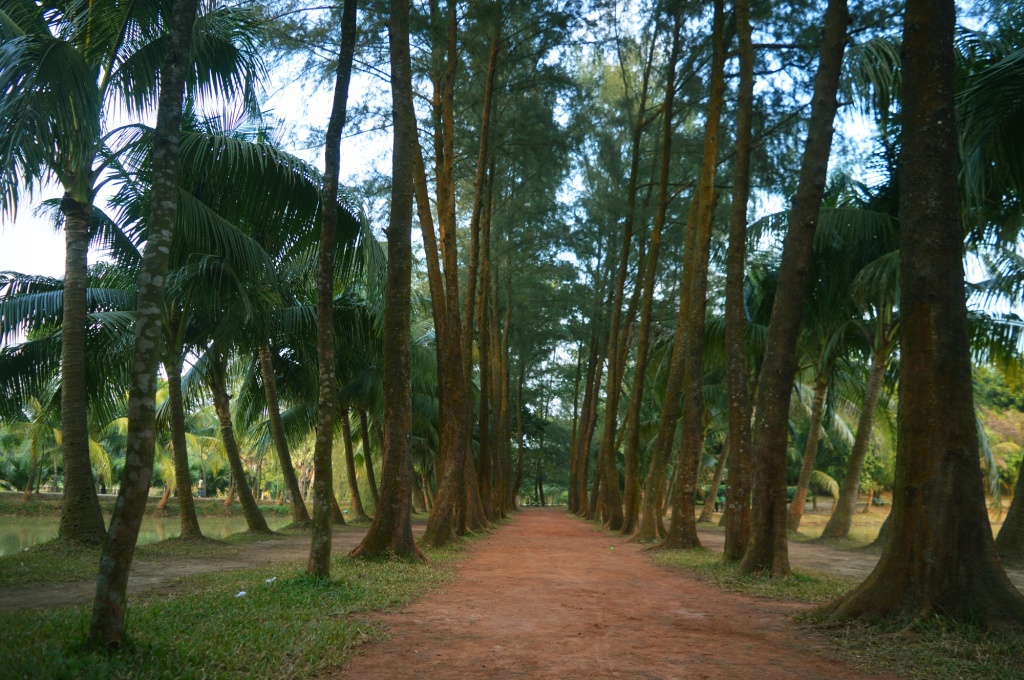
{"points": [[17, 533]]}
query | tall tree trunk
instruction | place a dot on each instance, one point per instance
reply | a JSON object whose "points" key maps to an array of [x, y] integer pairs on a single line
{"points": [[391, 530], [222, 405], [796, 507], [359, 515], [737, 500], [319, 562], [716, 480], [80, 516], [768, 550], [574, 463], [107, 627], [682, 529], [632, 454], [1010, 541], [485, 471], [371, 479], [299, 513], [842, 516], [520, 440], [940, 557], [179, 448]]}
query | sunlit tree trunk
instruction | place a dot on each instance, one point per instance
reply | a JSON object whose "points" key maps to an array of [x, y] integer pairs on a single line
{"points": [[107, 627], [358, 514], [371, 478], [179, 450], [391, 530], [767, 550]]}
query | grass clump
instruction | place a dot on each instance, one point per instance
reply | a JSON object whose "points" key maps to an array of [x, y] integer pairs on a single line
{"points": [[286, 624], [803, 586], [49, 562], [925, 649]]}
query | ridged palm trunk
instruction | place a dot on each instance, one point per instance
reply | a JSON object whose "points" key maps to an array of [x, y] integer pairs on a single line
{"points": [[371, 477], [682, 529], [737, 500], [179, 449], [768, 550], [358, 514], [796, 506], [80, 516], [940, 557], [842, 516], [222, 405], [631, 519], [324, 502], [107, 627], [284, 458], [391, 530], [706, 513]]}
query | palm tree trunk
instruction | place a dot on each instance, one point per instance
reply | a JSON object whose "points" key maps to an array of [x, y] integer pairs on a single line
{"points": [[796, 507], [940, 556], [737, 510], [27, 496], [299, 513], [179, 450], [359, 515], [324, 502], [768, 550], [371, 479], [391, 531], [80, 516], [842, 515], [1010, 541], [222, 405], [709, 500], [107, 627]]}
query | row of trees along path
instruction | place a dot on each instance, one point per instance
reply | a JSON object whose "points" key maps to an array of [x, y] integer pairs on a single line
{"points": [[548, 596]]}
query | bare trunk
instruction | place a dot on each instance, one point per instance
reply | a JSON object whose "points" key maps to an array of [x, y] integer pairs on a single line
{"points": [[319, 562], [182, 476], [710, 499], [940, 557], [358, 514], [299, 513], [796, 507], [80, 516], [371, 479], [737, 510], [391, 530], [842, 515], [768, 550]]}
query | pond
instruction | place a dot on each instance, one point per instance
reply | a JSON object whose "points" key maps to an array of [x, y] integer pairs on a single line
{"points": [[17, 533]]}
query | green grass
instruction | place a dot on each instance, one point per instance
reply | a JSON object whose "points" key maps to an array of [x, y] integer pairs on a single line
{"points": [[58, 560], [803, 586], [12, 504], [292, 627], [935, 648]]}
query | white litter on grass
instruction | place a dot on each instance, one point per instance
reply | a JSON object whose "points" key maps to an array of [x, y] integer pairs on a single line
{"points": [[271, 579], [241, 593]]}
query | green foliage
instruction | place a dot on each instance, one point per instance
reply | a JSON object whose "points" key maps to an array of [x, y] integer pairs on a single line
{"points": [[291, 626]]}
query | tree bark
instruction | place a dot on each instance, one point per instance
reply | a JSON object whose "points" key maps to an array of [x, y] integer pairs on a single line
{"points": [[708, 509], [319, 562], [682, 529], [737, 499], [107, 627], [940, 557], [796, 507], [391, 530], [299, 513], [371, 478], [842, 515], [1010, 541], [179, 448], [80, 516], [359, 515], [768, 550]]}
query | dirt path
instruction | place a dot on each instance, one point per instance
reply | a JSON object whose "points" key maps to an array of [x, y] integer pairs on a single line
{"points": [[160, 575], [548, 596]]}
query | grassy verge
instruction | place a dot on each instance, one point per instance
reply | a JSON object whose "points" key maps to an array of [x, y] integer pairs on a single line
{"points": [[935, 648], [803, 586], [12, 504], [286, 625]]}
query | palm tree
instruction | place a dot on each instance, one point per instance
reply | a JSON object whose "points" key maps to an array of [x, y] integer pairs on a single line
{"points": [[62, 65]]}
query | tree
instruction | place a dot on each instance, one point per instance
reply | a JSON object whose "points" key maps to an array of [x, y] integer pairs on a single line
{"points": [[391, 530]]}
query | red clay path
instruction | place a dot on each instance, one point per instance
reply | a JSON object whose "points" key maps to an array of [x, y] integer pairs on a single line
{"points": [[549, 596]]}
